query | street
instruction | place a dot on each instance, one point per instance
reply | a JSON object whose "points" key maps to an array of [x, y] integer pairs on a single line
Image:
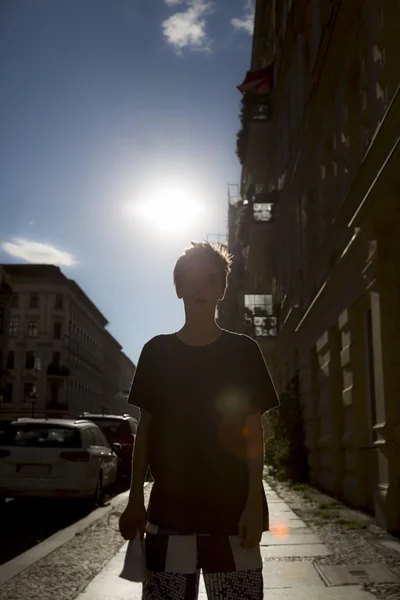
{"points": [[25, 522]]}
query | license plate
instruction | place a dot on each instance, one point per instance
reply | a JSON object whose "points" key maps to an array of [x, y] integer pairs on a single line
{"points": [[34, 470]]}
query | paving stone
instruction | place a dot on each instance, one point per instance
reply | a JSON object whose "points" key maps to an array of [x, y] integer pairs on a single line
{"points": [[107, 584], [287, 550], [282, 523], [281, 514], [271, 539], [335, 575], [281, 507], [292, 574], [309, 593], [391, 545]]}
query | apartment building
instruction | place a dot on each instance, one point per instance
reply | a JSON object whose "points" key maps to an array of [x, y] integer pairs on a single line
{"points": [[5, 306], [60, 359], [325, 164]]}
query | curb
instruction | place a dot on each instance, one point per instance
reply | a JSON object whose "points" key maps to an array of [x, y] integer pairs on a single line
{"points": [[16, 565]]}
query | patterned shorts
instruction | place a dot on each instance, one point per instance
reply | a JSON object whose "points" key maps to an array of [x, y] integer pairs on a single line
{"points": [[174, 562]]}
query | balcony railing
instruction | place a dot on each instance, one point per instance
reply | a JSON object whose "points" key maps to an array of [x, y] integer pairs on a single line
{"points": [[260, 323]]}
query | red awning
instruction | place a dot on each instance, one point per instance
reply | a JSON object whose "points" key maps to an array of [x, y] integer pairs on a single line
{"points": [[258, 81]]}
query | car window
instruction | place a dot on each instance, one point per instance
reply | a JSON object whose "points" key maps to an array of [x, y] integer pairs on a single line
{"points": [[114, 429], [104, 441], [41, 435], [87, 436], [96, 436]]}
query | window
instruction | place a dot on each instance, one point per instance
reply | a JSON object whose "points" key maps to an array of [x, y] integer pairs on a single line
{"points": [[259, 317], [14, 300], [8, 393], [41, 435], [30, 360], [29, 391], [10, 360], [370, 370], [262, 212], [32, 329], [56, 358], [98, 440], [54, 394], [59, 301], [363, 99], [345, 140], [33, 300], [89, 437], [104, 442], [57, 330], [381, 93], [14, 327]]}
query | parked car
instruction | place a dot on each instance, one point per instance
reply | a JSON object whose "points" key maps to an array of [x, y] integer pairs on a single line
{"points": [[56, 458], [120, 429]]}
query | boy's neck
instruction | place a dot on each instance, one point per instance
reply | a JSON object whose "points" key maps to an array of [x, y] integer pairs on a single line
{"points": [[199, 332]]}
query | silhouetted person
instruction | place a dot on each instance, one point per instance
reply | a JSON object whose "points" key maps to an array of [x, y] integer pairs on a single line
{"points": [[202, 392]]}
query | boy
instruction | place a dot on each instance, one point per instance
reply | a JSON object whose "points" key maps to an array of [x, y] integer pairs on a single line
{"points": [[202, 392]]}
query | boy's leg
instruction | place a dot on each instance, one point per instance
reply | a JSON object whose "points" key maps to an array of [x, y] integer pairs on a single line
{"points": [[237, 585], [171, 562], [230, 571], [170, 586]]}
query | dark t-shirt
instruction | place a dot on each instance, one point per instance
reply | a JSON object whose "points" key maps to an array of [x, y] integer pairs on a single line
{"points": [[199, 397]]}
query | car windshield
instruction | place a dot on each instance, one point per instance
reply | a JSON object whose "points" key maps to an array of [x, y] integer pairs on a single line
{"points": [[40, 435], [113, 429]]}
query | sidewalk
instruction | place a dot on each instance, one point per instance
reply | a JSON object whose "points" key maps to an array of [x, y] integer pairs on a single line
{"points": [[288, 551]]}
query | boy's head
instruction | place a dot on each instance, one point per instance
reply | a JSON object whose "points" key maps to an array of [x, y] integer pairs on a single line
{"points": [[200, 275]]}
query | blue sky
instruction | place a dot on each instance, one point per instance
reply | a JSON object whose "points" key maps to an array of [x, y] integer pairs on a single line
{"points": [[109, 106]]}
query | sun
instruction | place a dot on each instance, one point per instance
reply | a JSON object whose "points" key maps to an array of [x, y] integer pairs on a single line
{"points": [[170, 210]]}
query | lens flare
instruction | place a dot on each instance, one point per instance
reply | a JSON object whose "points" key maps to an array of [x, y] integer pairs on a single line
{"points": [[280, 529]]}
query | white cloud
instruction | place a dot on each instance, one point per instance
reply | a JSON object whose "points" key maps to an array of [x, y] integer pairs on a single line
{"points": [[37, 252], [173, 2], [247, 21], [188, 28]]}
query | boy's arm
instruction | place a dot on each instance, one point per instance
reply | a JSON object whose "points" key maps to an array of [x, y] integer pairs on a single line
{"points": [[140, 458], [133, 518], [255, 455], [251, 521]]}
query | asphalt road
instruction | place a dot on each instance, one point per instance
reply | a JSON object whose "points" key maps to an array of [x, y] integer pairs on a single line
{"points": [[25, 522]]}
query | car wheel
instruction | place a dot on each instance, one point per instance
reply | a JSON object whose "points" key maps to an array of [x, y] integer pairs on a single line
{"points": [[98, 496]]}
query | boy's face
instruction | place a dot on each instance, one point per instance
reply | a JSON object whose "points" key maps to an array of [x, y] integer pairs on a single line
{"points": [[201, 286]]}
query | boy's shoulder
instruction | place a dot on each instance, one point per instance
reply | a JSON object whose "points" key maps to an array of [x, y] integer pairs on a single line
{"points": [[159, 341], [240, 342], [231, 342], [229, 337]]}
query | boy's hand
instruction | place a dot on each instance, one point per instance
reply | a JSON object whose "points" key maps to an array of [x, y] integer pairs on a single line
{"points": [[251, 524], [133, 519]]}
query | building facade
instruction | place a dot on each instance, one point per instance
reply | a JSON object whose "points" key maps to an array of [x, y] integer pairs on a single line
{"points": [[60, 359], [327, 77], [5, 308]]}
